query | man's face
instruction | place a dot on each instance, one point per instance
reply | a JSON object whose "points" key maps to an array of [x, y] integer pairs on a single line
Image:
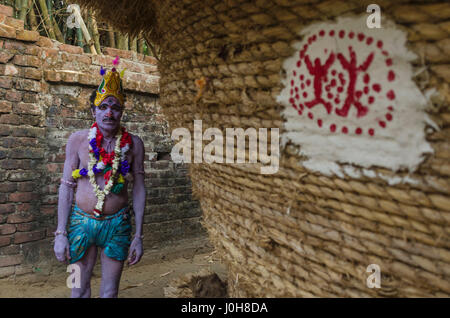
{"points": [[108, 113]]}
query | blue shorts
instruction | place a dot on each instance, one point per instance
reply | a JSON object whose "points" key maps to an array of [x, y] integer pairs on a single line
{"points": [[111, 232]]}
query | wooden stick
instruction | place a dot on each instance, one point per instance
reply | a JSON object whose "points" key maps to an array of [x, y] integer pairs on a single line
{"points": [[83, 28]]}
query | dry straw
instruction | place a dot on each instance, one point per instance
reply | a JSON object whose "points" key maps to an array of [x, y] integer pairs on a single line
{"points": [[282, 235]]}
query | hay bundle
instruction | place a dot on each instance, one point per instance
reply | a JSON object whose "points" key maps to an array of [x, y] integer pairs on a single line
{"points": [[203, 284], [300, 233]]}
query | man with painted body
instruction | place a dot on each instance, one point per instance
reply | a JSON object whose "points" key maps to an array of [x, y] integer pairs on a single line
{"points": [[108, 230]]}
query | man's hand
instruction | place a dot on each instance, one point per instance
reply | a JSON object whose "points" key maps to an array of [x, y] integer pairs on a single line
{"points": [[136, 251], [62, 248]]}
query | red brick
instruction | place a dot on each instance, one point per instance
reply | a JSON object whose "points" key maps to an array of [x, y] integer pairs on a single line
{"points": [[5, 57], [26, 60], [29, 36], [10, 70], [5, 107], [8, 260], [33, 73], [26, 153], [49, 209], [54, 167], [7, 229], [7, 31], [15, 23], [52, 76], [27, 108], [14, 119], [13, 96], [20, 218], [44, 42], [28, 132], [5, 240], [23, 196], [13, 164], [5, 130], [150, 60], [28, 85], [24, 209], [6, 10], [30, 97], [25, 186], [33, 50], [22, 237], [26, 227], [121, 53], [8, 187], [7, 208], [5, 81], [71, 49]]}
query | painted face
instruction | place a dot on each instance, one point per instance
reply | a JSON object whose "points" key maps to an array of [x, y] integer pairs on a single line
{"points": [[108, 113]]}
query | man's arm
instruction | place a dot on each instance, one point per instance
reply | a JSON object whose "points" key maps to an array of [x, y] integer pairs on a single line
{"points": [[65, 197], [137, 168]]}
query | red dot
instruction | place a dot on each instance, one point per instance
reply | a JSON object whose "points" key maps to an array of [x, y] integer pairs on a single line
{"points": [[310, 115], [297, 97], [292, 82], [305, 47], [391, 76], [371, 131], [314, 37], [366, 90], [337, 100], [319, 122], [366, 78], [300, 112], [376, 87], [302, 86], [358, 131], [389, 62], [333, 82], [330, 96], [302, 77], [344, 130], [299, 63], [369, 40], [301, 106], [333, 72], [391, 108], [296, 89], [358, 94], [371, 99], [361, 36], [390, 95], [380, 44], [341, 34], [322, 33], [295, 73], [308, 82], [385, 53], [340, 89], [333, 127], [332, 33], [292, 91], [351, 35], [305, 94], [291, 100], [302, 54], [389, 117], [327, 88], [382, 123]]}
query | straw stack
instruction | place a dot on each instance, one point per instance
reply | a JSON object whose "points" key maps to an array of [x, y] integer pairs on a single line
{"points": [[298, 233]]}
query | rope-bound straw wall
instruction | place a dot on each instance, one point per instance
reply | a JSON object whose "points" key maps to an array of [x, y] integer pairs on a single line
{"points": [[298, 233]]}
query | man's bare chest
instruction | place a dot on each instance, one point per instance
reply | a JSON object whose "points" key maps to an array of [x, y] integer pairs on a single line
{"points": [[83, 154]]}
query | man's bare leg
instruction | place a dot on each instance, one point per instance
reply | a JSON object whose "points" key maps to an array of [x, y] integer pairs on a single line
{"points": [[111, 273], [86, 266]]}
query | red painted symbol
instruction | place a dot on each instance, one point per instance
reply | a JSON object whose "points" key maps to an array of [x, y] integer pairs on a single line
{"points": [[344, 82]]}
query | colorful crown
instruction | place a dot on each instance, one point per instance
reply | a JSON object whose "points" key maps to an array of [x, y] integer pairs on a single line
{"points": [[111, 84]]}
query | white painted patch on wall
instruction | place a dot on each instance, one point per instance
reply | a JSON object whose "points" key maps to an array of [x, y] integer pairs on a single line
{"points": [[350, 99]]}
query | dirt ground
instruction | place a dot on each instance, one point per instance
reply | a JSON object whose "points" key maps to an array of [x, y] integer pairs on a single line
{"points": [[147, 279]]}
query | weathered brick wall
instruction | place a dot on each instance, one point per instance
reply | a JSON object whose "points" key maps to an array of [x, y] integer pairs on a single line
{"points": [[44, 90]]}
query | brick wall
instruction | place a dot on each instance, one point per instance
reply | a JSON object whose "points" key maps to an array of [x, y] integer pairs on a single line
{"points": [[44, 90]]}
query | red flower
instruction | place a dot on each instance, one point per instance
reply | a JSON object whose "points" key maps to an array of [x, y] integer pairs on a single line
{"points": [[107, 176]]}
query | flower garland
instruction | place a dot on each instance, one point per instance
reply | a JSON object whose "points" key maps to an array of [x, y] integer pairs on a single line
{"points": [[108, 163]]}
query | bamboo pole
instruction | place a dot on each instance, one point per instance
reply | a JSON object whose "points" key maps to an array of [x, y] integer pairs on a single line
{"points": [[83, 31], [133, 44], [95, 33], [111, 39], [141, 45], [23, 10], [32, 21], [122, 41], [46, 18]]}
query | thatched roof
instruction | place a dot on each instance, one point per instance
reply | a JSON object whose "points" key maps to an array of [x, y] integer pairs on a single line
{"points": [[130, 17]]}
